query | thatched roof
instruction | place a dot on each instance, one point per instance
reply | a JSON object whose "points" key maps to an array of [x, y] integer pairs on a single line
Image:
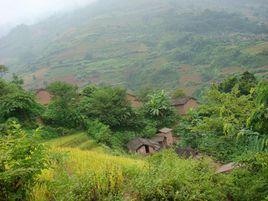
{"points": [[165, 130], [226, 168], [158, 138], [136, 143], [182, 100]]}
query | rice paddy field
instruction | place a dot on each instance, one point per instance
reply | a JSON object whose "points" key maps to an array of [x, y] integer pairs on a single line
{"points": [[76, 158], [82, 170]]}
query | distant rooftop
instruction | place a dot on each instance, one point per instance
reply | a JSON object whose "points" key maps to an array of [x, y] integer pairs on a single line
{"points": [[165, 130], [182, 100], [226, 168], [138, 142]]}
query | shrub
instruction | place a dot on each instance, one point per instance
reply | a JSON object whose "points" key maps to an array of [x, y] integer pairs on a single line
{"points": [[149, 130], [171, 178], [99, 132], [110, 106], [62, 110], [21, 160], [250, 181], [120, 139], [46, 132], [21, 105], [158, 108]]}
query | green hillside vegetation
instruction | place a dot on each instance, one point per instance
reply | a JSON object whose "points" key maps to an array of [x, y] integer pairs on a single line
{"points": [[75, 147], [164, 44]]}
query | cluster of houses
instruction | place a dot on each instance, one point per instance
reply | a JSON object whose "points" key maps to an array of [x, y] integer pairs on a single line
{"points": [[182, 105], [163, 139]]}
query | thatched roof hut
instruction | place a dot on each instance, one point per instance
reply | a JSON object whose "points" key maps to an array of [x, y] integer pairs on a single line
{"points": [[143, 146]]}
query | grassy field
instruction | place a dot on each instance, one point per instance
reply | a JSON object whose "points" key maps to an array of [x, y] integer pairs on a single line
{"points": [[81, 157], [82, 170]]}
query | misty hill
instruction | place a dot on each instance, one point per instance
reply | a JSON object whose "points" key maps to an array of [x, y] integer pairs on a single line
{"points": [[138, 43]]}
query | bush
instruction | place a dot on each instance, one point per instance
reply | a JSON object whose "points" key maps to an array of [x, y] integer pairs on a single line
{"points": [[22, 159], [99, 132], [110, 106], [149, 130], [120, 139], [171, 178], [62, 110], [250, 181], [46, 132], [158, 108]]}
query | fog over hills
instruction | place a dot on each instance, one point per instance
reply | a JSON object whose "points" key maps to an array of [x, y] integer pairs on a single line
{"points": [[139, 43], [16, 12]]}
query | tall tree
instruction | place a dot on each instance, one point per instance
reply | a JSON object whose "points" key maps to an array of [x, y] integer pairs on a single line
{"points": [[62, 109], [16, 102], [110, 106], [158, 108]]}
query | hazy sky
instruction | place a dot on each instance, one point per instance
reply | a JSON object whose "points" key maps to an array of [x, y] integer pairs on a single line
{"points": [[14, 12]]}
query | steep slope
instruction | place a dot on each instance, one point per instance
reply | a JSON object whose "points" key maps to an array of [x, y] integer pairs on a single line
{"points": [[139, 43]]}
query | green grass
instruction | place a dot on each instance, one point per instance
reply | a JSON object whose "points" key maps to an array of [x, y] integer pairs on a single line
{"points": [[77, 140]]}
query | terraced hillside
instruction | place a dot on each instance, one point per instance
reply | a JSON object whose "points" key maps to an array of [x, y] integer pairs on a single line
{"points": [[137, 43]]}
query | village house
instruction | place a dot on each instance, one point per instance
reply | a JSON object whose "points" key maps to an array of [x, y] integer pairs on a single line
{"points": [[184, 104], [43, 96], [143, 146], [167, 134], [160, 141], [133, 100]]}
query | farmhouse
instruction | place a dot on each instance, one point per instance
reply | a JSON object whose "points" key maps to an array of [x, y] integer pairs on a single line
{"points": [[43, 96], [143, 146], [133, 100], [184, 104], [160, 141], [167, 134]]}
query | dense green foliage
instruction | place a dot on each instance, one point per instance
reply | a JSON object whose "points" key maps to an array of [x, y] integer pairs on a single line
{"points": [[61, 112], [229, 125], [100, 132], [251, 181], [259, 118], [110, 106], [158, 108], [22, 158], [231, 121], [180, 46], [244, 83], [18, 103]]}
